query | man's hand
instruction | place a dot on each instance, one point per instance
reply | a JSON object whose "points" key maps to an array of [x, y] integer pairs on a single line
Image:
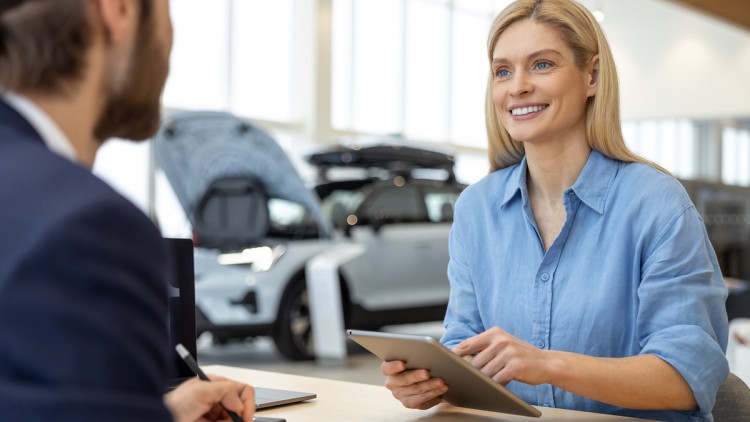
{"points": [[414, 388], [197, 400]]}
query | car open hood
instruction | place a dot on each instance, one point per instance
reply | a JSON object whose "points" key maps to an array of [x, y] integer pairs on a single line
{"points": [[196, 148]]}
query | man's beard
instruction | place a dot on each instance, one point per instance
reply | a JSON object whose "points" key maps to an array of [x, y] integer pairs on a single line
{"points": [[134, 111]]}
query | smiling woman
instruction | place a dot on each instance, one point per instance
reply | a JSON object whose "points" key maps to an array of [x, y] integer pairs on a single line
{"points": [[577, 268]]}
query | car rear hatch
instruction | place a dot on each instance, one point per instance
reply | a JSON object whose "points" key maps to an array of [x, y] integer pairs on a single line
{"points": [[210, 155]]}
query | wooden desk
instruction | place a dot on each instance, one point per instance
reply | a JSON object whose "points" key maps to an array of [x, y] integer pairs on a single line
{"points": [[353, 402]]}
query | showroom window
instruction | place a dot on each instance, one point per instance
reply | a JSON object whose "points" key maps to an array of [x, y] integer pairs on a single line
{"points": [[236, 55], [735, 149], [668, 142], [414, 68]]}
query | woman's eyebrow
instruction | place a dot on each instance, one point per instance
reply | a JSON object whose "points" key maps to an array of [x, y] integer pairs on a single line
{"points": [[546, 51]]}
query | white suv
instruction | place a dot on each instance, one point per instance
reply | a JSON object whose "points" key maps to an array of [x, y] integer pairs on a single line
{"points": [[254, 238]]}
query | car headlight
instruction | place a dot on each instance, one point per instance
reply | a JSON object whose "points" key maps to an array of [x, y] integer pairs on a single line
{"points": [[259, 259]]}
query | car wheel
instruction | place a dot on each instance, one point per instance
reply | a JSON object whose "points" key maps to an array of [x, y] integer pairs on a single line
{"points": [[293, 334]]}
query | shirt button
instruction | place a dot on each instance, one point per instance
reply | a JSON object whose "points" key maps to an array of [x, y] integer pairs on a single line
{"points": [[545, 277], [540, 343]]}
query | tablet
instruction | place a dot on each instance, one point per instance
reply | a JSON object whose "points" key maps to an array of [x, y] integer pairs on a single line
{"points": [[468, 387]]}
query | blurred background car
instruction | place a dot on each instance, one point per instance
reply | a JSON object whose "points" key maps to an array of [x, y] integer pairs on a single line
{"points": [[256, 225]]}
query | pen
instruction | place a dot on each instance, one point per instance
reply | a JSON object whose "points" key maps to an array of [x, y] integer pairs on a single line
{"points": [[188, 358]]}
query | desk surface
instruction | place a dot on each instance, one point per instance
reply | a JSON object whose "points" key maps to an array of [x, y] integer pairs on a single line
{"points": [[348, 401]]}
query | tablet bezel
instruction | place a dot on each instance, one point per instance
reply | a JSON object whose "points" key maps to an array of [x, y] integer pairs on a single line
{"points": [[468, 387]]}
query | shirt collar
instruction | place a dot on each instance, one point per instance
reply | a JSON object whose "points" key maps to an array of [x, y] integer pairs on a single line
{"points": [[47, 129], [594, 181], [516, 182], [591, 187]]}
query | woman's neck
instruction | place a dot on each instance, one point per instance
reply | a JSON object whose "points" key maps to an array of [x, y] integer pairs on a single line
{"points": [[553, 167]]}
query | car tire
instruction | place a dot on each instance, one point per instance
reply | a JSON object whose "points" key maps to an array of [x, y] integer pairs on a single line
{"points": [[293, 331]]}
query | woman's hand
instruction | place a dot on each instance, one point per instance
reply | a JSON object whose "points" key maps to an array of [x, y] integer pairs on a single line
{"points": [[197, 400], [505, 358], [413, 388]]}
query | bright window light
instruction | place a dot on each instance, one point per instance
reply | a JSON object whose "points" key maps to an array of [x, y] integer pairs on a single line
{"points": [[261, 60], [377, 73], [427, 71], [234, 55], [412, 67], [470, 71], [199, 62]]}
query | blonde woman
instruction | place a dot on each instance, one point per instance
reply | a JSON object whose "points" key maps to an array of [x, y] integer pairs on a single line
{"points": [[581, 275]]}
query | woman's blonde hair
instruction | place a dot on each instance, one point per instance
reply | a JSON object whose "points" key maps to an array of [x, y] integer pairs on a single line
{"points": [[578, 28]]}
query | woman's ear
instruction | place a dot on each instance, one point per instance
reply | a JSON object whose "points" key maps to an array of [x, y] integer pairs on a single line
{"points": [[593, 73]]}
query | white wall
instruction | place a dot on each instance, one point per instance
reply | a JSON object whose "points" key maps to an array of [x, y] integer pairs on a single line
{"points": [[674, 62]]}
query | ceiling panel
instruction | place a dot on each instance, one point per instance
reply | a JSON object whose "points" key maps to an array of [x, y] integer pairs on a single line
{"points": [[734, 11]]}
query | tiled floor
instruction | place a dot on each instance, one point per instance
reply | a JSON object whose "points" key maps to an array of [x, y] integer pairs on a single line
{"points": [[260, 353]]}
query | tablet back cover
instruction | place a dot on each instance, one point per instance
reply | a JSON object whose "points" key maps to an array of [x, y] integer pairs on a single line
{"points": [[468, 387]]}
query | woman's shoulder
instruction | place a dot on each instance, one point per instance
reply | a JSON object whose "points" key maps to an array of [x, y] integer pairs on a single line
{"points": [[643, 183], [490, 188]]}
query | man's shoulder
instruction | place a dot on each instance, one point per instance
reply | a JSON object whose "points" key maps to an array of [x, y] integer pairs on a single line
{"points": [[43, 192], [27, 163], [32, 176]]}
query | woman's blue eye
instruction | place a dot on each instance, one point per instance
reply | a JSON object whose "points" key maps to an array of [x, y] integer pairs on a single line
{"points": [[503, 73], [543, 65]]}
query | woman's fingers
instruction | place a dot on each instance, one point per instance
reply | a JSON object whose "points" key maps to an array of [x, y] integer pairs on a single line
{"points": [[413, 388], [422, 395], [392, 367], [406, 378]]}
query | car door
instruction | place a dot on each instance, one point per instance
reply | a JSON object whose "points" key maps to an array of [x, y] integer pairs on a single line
{"points": [[395, 270], [439, 199]]}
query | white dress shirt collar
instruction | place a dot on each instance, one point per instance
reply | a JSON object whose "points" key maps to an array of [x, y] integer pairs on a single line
{"points": [[50, 133]]}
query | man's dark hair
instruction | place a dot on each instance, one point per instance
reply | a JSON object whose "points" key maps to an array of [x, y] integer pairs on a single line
{"points": [[43, 43]]}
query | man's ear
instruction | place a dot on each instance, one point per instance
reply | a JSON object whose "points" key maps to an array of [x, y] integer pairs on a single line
{"points": [[118, 18], [593, 73]]}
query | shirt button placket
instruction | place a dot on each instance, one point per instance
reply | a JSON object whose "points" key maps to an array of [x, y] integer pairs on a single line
{"points": [[542, 321]]}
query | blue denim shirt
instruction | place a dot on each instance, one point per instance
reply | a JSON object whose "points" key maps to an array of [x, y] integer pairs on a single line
{"points": [[632, 272]]}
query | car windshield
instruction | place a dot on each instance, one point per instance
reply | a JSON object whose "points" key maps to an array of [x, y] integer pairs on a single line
{"points": [[342, 200], [290, 220]]}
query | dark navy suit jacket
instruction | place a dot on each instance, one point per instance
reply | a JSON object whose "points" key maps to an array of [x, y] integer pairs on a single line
{"points": [[83, 300]]}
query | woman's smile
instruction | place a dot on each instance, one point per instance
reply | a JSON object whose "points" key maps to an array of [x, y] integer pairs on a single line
{"points": [[526, 111]]}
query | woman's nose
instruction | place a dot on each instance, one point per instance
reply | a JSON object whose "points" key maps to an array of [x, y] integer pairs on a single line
{"points": [[520, 85]]}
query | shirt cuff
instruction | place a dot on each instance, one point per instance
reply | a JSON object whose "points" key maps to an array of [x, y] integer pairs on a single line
{"points": [[696, 356]]}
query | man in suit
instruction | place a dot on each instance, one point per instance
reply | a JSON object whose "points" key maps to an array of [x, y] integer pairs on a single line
{"points": [[83, 299]]}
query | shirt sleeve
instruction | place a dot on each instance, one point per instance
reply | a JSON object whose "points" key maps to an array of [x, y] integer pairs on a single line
{"points": [[462, 319], [681, 317]]}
